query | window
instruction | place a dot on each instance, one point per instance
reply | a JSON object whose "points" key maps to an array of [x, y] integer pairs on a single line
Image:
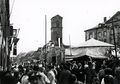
{"points": [[111, 32], [90, 35], [104, 33], [111, 39], [99, 34]]}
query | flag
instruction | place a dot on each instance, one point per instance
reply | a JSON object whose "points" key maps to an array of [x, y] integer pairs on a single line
{"points": [[15, 49], [15, 40]]}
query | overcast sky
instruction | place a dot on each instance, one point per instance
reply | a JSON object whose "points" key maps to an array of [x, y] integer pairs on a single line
{"points": [[78, 15]]}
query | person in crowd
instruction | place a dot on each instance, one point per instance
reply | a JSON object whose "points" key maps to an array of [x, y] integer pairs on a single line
{"points": [[117, 75], [98, 66], [16, 75], [24, 78], [94, 64], [104, 63], [51, 74], [73, 79], [59, 69], [75, 70], [79, 82], [108, 78], [1, 74], [8, 78], [65, 74], [42, 78], [81, 73], [32, 78], [101, 73], [73, 65], [20, 69], [96, 80], [85, 64], [90, 73]]}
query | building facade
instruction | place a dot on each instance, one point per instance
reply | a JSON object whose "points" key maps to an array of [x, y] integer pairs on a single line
{"points": [[108, 31], [5, 34]]}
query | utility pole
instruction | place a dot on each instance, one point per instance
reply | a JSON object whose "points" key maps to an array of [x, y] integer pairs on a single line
{"points": [[45, 40], [70, 45], [114, 38]]}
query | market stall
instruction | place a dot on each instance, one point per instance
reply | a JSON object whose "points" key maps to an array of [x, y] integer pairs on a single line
{"points": [[92, 48]]}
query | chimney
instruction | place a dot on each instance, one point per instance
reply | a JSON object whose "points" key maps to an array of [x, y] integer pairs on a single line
{"points": [[105, 19]]}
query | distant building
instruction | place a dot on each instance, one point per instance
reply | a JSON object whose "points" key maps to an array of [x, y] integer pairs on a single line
{"points": [[106, 31], [53, 51], [56, 30]]}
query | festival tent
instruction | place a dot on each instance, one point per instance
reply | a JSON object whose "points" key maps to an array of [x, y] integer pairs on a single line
{"points": [[92, 48]]}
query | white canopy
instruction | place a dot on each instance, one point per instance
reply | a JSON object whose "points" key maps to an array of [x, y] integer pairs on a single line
{"points": [[94, 43]]}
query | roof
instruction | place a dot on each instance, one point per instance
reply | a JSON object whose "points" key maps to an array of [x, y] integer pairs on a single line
{"points": [[95, 43], [100, 25], [92, 28], [108, 21], [57, 16], [116, 14]]}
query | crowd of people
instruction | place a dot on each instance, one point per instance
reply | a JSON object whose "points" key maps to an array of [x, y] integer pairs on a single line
{"points": [[89, 72]]}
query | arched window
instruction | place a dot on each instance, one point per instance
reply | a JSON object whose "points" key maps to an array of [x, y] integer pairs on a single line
{"points": [[104, 33], [99, 34]]}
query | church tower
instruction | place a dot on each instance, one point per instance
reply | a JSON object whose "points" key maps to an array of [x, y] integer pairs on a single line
{"points": [[56, 30]]}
